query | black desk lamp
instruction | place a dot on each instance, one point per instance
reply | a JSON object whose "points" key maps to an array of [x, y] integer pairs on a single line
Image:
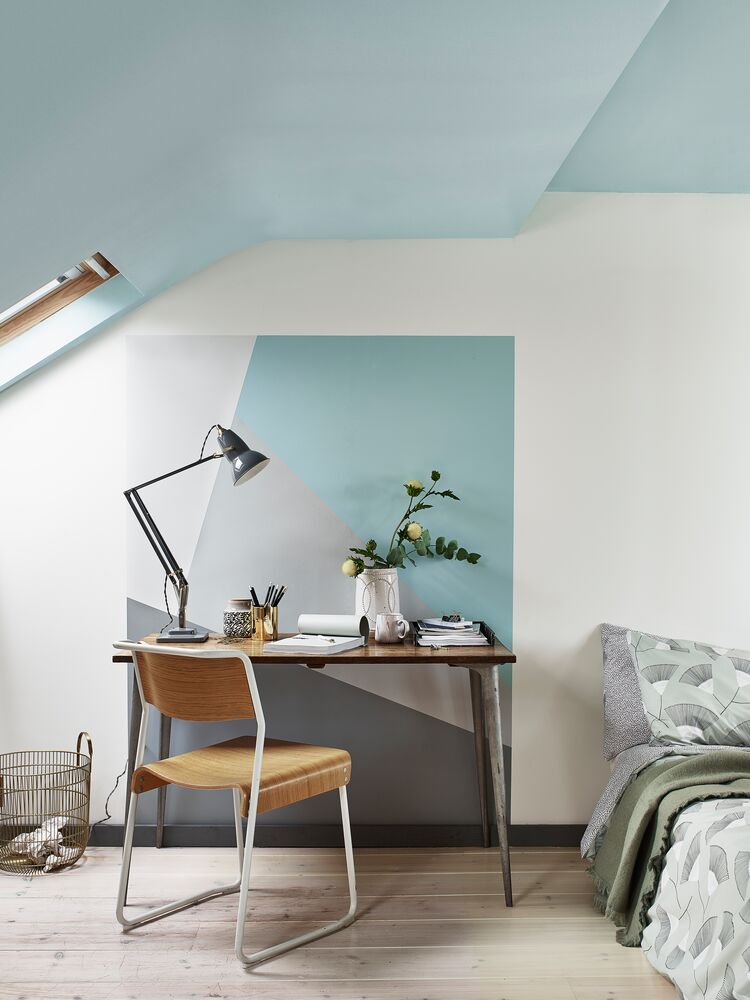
{"points": [[246, 463]]}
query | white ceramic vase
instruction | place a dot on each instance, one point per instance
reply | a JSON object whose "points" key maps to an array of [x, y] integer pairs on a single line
{"points": [[376, 593]]}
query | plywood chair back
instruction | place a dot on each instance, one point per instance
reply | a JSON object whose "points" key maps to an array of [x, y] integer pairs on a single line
{"points": [[195, 688]]}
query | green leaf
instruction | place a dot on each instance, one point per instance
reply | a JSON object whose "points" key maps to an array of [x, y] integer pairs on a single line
{"points": [[426, 536], [450, 494], [372, 545], [394, 556], [448, 554], [461, 554], [420, 506], [430, 553], [435, 476], [440, 545], [473, 558], [420, 547], [452, 544]]}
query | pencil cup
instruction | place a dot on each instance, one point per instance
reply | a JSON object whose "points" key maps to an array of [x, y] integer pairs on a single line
{"points": [[266, 622]]}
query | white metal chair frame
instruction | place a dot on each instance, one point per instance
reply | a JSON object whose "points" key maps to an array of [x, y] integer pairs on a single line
{"points": [[245, 850]]}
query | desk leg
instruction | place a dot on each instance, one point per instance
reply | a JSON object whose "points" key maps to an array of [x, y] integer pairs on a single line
{"points": [[480, 752], [491, 697], [136, 712], [165, 734]]}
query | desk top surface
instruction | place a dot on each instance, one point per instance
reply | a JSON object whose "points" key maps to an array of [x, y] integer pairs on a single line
{"points": [[372, 653]]}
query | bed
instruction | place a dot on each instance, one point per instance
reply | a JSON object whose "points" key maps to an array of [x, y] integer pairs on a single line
{"points": [[669, 840], [693, 935]]}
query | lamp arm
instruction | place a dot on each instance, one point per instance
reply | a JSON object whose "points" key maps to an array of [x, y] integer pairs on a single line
{"points": [[155, 537], [175, 472], [163, 552]]}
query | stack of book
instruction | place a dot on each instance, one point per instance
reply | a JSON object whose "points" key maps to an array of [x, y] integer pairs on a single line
{"points": [[436, 632]]}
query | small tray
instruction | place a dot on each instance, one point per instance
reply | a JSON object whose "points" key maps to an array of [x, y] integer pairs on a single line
{"points": [[484, 628]]}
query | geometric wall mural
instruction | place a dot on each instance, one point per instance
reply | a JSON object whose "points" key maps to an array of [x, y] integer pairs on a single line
{"points": [[345, 421]]}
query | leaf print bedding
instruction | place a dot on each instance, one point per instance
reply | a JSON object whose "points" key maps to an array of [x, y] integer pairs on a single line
{"points": [[698, 931], [692, 693]]}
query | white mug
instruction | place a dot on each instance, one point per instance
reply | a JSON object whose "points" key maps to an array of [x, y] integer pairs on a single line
{"points": [[390, 628]]}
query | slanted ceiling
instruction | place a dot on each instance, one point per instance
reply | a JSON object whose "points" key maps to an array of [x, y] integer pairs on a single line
{"points": [[676, 120], [168, 134]]}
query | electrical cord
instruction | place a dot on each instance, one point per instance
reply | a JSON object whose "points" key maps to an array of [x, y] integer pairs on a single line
{"points": [[166, 604], [108, 815], [205, 439]]}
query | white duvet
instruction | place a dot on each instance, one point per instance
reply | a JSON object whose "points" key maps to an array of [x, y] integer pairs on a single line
{"points": [[698, 934]]}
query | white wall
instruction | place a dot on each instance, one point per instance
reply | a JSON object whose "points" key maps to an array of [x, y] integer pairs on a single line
{"points": [[62, 559], [630, 314]]}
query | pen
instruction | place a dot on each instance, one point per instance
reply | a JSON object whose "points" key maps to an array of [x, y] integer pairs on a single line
{"points": [[279, 594], [268, 593], [254, 596]]}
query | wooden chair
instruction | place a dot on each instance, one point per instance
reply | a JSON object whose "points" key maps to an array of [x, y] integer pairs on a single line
{"points": [[264, 774]]}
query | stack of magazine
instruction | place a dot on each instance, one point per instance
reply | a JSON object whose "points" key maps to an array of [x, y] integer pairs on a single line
{"points": [[436, 632]]}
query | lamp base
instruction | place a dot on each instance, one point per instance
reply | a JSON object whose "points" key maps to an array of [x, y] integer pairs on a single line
{"points": [[183, 635]]}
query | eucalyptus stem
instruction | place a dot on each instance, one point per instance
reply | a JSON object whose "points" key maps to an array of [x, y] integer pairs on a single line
{"points": [[368, 557], [419, 497]]}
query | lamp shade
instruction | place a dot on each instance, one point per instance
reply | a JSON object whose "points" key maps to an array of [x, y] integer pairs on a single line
{"points": [[246, 463]]}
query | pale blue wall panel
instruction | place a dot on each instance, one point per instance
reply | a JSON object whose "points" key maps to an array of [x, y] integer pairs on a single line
{"points": [[356, 417]]}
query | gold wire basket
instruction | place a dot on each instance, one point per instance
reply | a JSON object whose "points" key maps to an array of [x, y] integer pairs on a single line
{"points": [[44, 808]]}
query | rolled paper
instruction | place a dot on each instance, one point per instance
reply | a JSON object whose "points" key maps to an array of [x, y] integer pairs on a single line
{"points": [[334, 625], [64, 857], [38, 844]]}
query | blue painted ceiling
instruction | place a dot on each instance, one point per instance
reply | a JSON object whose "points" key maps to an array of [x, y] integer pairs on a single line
{"points": [[167, 134], [676, 120]]}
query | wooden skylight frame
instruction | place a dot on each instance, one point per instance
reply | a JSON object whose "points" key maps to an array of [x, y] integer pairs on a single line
{"points": [[93, 271]]}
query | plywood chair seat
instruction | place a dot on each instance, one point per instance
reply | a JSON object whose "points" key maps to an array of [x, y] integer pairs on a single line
{"points": [[216, 685], [290, 772]]}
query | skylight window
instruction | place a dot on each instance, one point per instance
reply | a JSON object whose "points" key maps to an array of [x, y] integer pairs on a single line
{"points": [[54, 295]]}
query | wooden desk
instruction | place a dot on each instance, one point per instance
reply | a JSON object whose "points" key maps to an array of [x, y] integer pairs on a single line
{"points": [[483, 664]]}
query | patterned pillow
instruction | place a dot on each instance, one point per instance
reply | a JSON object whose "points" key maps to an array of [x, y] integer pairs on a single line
{"points": [[625, 723], [693, 692]]}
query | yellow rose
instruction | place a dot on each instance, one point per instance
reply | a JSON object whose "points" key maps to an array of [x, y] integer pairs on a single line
{"points": [[415, 484], [349, 567], [413, 531]]}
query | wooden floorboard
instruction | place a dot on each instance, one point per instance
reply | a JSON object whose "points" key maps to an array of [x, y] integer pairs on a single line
{"points": [[432, 926]]}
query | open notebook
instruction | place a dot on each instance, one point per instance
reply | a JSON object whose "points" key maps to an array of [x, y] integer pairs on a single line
{"points": [[323, 634]]}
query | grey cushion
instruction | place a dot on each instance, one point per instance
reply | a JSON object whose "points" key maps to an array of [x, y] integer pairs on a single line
{"points": [[625, 723]]}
